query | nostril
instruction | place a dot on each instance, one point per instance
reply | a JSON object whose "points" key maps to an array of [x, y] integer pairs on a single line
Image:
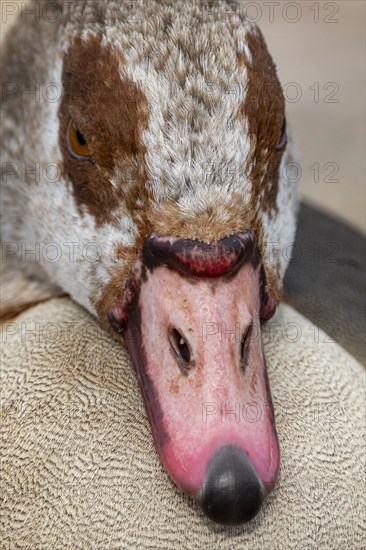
{"points": [[244, 347], [180, 348]]}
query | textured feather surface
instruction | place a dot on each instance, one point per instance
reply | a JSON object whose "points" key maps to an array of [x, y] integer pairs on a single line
{"points": [[79, 469]]}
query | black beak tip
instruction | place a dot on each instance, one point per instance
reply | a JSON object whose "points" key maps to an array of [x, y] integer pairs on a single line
{"points": [[232, 491]]}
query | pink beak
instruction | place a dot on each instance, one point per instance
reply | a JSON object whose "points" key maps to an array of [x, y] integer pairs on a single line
{"points": [[192, 316]]}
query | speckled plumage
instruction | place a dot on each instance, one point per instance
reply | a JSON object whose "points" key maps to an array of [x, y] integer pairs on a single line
{"points": [[195, 66]]}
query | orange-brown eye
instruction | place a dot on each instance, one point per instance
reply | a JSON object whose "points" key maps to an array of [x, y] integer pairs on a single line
{"points": [[76, 143], [283, 141]]}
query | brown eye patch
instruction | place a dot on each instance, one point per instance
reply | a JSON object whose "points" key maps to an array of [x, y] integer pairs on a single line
{"points": [[108, 115], [264, 112], [76, 143]]}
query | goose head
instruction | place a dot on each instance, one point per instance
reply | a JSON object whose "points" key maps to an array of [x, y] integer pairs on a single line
{"points": [[173, 207]]}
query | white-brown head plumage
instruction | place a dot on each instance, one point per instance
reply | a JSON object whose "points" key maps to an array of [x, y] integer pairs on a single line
{"points": [[182, 134]]}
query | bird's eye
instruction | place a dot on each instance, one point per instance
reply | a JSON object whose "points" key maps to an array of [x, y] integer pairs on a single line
{"points": [[283, 141], [76, 143]]}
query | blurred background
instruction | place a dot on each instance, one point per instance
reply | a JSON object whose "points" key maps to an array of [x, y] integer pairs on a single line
{"points": [[321, 64], [319, 48]]}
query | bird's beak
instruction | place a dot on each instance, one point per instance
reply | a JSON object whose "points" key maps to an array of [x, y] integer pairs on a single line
{"points": [[194, 334]]}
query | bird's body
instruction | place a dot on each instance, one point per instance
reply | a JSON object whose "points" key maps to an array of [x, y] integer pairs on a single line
{"points": [[144, 155]]}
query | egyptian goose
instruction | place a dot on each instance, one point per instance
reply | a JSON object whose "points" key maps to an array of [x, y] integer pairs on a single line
{"points": [[146, 143]]}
